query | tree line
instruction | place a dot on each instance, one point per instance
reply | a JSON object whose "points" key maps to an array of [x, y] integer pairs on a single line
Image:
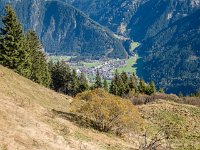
{"points": [[122, 84], [23, 53]]}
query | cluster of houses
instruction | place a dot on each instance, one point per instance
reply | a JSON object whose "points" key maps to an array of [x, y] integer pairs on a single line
{"points": [[105, 68]]}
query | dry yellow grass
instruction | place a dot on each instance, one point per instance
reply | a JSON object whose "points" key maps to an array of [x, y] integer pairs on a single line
{"points": [[27, 122], [180, 121]]}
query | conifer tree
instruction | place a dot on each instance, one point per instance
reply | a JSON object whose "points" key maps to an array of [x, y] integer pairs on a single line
{"points": [[58, 75], [123, 90], [114, 89], [152, 87], [142, 86], [117, 86], [132, 82], [13, 49], [39, 67], [105, 84], [83, 83], [74, 83], [125, 81], [98, 83]]}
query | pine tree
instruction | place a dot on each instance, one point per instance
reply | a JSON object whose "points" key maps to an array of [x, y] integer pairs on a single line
{"points": [[125, 81], [58, 75], [117, 86], [148, 90], [39, 67], [142, 86], [114, 89], [98, 83], [105, 84], [74, 83], [83, 83], [122, 87], [152, 87], [132, 82], [14, 52]]}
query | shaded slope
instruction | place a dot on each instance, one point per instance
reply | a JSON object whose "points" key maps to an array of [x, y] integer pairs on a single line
{"points": [[172, 58]]}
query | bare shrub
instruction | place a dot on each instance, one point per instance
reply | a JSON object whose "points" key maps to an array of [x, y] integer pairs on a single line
{"points": [[154, 142], [107, 112]]}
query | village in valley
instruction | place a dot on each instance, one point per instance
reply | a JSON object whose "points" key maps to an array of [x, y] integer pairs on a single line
{"points": [[105, 66]]}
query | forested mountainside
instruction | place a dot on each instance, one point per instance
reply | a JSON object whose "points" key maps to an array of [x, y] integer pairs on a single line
{"points": [[139, 19], [168, 31], [172, 57], [65, 30], [114, 14]]}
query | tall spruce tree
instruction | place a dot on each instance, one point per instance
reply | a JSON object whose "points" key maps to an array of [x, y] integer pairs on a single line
{"points": [[132, 82], [39, 67], [125, 81], [98, 83], [14, 52], [152, 87], [83, 83], [58, 75], [114, 89], [74, 83], [142, 86]]}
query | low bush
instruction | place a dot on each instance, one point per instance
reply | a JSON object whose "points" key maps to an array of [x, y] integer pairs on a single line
{"points": [[106, 112]]}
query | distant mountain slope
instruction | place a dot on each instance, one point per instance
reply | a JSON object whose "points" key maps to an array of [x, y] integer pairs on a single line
{"points": [[139, 19], [65, 30], [114, 14], [172, 57]]}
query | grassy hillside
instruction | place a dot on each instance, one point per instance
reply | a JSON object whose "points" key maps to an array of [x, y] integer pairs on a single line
{"points": [[180, 122], [27, 122]]}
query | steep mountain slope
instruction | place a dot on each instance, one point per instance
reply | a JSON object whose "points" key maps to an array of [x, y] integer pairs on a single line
{"points": [[172, 57], [114, 14], [139, 19], [27, 122], [65, 30]]}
